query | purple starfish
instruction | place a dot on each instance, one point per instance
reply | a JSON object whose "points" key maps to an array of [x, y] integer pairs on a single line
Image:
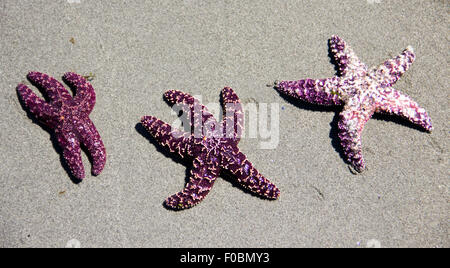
{"points": [[68, 116], [212, 146], [363, 92]]}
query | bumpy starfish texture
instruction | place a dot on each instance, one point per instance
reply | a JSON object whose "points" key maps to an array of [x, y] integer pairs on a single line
{"points": [[69, 118], [212, 146], [362, 92]]}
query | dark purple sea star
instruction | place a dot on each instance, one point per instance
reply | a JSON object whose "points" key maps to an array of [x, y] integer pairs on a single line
{"points": [[69, 118], [362, 92], [212, 146]]}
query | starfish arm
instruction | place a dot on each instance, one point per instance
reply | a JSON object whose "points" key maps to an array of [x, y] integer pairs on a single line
{"points": [[202, 121], [248, 176], [175, 140], [233, 115], [203, 176], [57, 93], [351, 124], [85, 94], [320, 91], [348, 62], [90, 137], [70, 144], [179, 97], [391, 70], [395, 102], [42, 110]]}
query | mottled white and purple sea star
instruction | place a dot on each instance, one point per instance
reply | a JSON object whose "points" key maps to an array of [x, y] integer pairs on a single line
{"points": [[362, 92], [211, 146], [69, 118]]}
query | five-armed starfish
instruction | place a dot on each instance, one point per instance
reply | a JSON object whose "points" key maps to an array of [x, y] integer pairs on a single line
{"points": [[212, 146], [68, 116], [363, 92]]}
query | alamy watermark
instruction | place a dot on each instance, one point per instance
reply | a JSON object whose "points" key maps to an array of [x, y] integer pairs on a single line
{"points": [[234, 121]]}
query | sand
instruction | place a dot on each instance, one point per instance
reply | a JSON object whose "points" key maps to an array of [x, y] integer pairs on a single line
{"points": [[139, 49]]}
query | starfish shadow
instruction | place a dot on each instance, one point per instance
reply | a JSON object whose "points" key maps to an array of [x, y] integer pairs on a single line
{"points": [[334, 136], [175, 157], [335, 141], [398, 120]]}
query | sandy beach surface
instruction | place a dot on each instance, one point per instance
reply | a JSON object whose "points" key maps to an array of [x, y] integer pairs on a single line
{"points": [[139, 49]]}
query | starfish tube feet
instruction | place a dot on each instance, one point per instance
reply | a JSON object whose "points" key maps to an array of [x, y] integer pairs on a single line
{"points": [[210, 153], [68, 117], [362, 93]]}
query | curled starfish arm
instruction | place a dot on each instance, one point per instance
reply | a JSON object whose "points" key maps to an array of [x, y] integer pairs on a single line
{"points": [[319, 91], [70, 144], [233, 115], [345, 57], [85, 94], [249, 177], [90, 137], [202, 178], [176, 140], [57, 93], [351, 124], [391, 70], [395, 102], [42, 110]]}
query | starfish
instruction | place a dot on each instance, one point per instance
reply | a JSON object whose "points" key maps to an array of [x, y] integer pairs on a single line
{"points": [[212, 148], [69, 118], [362, 92]]}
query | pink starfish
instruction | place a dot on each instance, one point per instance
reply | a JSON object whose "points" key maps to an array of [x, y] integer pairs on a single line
{"points": [[363, 92], [68, 116], [212, 146]]}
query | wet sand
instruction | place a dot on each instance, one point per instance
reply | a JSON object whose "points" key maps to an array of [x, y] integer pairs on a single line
{"points": [[139, 50]]}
